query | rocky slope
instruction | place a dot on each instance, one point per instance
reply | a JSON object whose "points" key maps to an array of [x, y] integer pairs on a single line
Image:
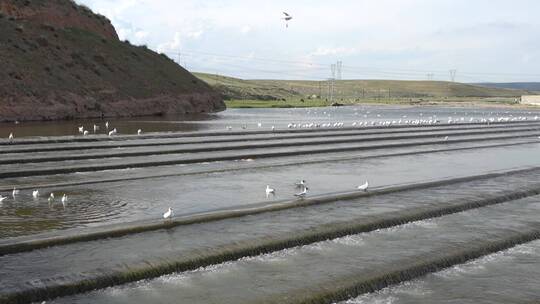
{"points": [[61, 61]]}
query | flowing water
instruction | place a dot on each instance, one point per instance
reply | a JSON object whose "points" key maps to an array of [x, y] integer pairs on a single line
{"points": [[460, 196]]}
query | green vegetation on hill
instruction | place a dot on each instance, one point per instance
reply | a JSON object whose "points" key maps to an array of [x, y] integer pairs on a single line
{"points": [[299, 93]]}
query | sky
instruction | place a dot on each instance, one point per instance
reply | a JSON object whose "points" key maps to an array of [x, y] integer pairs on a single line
{"points": [[482, 40]]}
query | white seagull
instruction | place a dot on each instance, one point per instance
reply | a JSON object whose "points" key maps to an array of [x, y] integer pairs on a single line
{"points": [[51, 197], [300, 184], [35, 193], [270, 190], [2, 198], [168, 214], [85, 133], [96, 128], [139, 132], [364, 186], [445, 138], [303, 193], [10, 138], [15, 192], [64, 199], [107, 125], [81, 129]]}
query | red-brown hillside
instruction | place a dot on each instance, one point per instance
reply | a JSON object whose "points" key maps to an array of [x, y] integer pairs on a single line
{"points": [[61, 61]]}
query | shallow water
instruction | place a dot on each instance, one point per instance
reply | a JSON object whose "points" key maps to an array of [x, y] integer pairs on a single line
{"points": [[510, 276], [280, 118], [292, 272], [139, 195], [124, 201]]}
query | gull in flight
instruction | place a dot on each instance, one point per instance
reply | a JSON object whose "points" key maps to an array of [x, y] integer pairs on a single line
{"points": [[168, 214], [270, 190], [35, 193], [286, 17], [303, 193], [364, 186]]}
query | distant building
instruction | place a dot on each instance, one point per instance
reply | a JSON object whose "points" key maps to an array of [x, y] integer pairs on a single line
{"points": [[531, 99]]}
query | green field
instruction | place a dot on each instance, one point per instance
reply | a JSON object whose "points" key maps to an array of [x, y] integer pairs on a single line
{"points": [[240, 93]]}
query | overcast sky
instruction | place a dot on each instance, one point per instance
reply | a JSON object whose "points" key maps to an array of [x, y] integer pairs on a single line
{"points": [[484, 40]]}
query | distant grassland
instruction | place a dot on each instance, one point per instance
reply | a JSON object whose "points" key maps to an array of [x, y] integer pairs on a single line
{"points": [[240, 93]]}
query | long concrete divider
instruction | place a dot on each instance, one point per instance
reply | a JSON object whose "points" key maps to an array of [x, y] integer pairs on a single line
{"points": [[245, 146], [146, 141]]}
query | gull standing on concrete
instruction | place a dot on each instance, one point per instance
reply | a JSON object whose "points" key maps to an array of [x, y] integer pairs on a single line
{"points": [[270, 190], [96, 128], [168, 214], [139, 132], [364, 186], [15, 192], [10, 138], [51, 197], [81, 129], [303, 193], [35, 193]]}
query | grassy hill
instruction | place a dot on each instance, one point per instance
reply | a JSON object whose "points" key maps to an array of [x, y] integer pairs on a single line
{"points": [[234, 88], [528, 86]]}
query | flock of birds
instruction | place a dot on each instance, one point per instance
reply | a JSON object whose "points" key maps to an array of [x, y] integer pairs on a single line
{"points": [[96, 128], [302, 185], [36, 194], [396, 122], [85, 132]]}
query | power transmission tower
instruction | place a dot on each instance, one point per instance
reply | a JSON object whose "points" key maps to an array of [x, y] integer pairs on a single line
{"points": [[333, 69], [453, 75], [429, 76], [339, 64]]}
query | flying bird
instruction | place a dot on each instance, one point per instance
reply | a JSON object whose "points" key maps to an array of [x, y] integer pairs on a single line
{"points": [[286, 17]]}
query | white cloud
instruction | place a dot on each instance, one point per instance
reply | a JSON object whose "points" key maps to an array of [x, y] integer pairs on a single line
{"points": [[480, 35]]}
